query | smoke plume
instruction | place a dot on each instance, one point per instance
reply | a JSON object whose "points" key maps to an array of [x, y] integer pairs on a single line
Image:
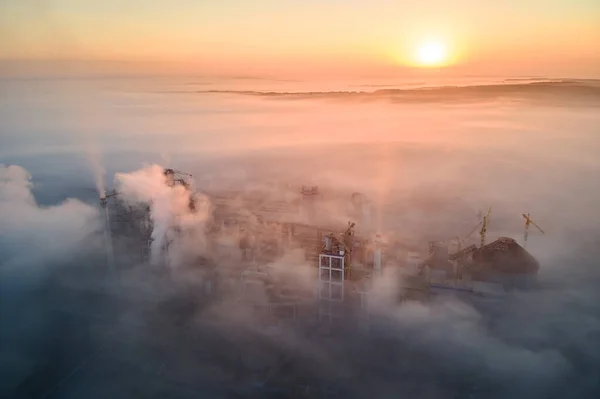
{"points": [[174, 223], [99, 171]]}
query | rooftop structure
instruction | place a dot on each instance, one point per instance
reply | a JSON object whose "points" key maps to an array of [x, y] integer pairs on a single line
{"points": [[505, 256]]}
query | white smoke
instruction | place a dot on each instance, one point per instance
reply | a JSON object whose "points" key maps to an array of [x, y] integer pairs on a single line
{"points": [[30, 233], [99, 171], [174, 224]]}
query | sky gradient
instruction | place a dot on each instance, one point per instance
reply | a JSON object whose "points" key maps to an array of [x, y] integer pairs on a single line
{"points": [[287, 37]]}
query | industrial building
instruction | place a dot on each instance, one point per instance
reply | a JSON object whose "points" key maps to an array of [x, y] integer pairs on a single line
{"points": [[345, 263]]}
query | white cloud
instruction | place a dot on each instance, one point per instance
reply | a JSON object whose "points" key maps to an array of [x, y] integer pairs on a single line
{"points": [[30, 233]]}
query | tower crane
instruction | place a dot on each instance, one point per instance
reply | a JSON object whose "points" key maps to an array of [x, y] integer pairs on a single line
{"points": [[482, 223], [459, 241], [528, 221], [468, 234], [484, 226]]}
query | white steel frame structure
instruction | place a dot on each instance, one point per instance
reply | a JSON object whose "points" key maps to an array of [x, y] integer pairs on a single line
{"points": [[331, 285]]}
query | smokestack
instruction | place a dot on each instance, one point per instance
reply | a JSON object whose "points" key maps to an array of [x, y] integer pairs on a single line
{"points": [[377, 256], [107, 235]]}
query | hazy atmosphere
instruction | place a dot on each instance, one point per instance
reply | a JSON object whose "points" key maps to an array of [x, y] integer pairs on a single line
{"points": [[433, 114]]}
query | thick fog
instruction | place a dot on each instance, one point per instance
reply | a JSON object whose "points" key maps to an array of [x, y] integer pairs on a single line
{"points": [[429, 165]]}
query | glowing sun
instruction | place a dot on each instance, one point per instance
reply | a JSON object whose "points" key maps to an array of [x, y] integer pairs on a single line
{"points": [[431, 54]]}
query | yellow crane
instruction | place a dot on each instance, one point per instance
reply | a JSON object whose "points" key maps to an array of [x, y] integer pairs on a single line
{"points": [[458, 240], [528, 221], [484, 226], [483, 223]]}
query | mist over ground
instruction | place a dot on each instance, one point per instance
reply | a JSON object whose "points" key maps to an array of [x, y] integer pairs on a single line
{"points": [[71, 328]]}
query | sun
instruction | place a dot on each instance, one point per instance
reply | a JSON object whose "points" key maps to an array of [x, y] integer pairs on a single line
{"points": [[431, 53]]}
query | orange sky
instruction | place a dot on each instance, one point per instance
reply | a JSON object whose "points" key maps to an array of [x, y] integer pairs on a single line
{"points": [[285, 37]]}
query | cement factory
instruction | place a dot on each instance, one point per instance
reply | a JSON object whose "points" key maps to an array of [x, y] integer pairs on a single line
{"points": [[267, 278], [346, 262]]}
